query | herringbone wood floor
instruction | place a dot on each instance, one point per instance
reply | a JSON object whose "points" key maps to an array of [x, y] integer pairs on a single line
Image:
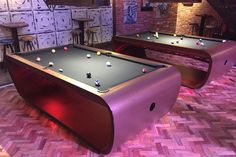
{"points": [[201, 124]]}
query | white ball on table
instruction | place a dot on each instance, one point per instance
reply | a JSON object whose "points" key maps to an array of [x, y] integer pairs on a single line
{"points": [[88, 55], [53, 50], [108, 63]]}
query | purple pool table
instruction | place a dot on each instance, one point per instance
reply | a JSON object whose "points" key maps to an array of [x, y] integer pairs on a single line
{"points": [[220, 54], [132, 93]]}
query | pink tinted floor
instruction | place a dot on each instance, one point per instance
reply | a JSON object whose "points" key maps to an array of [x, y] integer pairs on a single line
{"points": [[201, 124]]}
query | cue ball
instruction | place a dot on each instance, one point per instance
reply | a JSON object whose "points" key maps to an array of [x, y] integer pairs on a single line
{"points": [[98, 53], [174, 35], [38, 59], [97, 83], [88, 74], [88, 55], [137, 35], [65, 48], [223, 41], [144, 70], [60, 70], [108, 63], [148, 38], [202, 44], [50, 64], [53, 50]]}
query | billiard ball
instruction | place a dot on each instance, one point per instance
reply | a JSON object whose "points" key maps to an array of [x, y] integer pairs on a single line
{"points": [[108, 63], [172, 42], [177, 42], [197, 43], [97, 83], [88, 74], [148, 38], [137, 35], [223, 41], [174, 35], [144, 70], [60, 70], [200, 40], [53, 50], [50, 64], [38, 59], [181, 38], [202, 44], [65, 48], [98, 53], [88, 55]]}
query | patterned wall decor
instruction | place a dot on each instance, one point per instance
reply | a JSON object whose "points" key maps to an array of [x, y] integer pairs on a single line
{"points": [[19, 5], [4, 18], [52, 28], [94, 14], [62, 20], [21, 17], [106, 16], [62, 7], [3, 5], [78, 13], [44, 21], [107, 32], [64, 38], [46, 40], [39, 5]]}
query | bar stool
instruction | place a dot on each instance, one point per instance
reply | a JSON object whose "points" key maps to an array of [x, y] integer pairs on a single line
{"points": [[75, 35], [92, 32], [7, 43], [210, 26], [208, 30], [194, 28], [28, 42]]}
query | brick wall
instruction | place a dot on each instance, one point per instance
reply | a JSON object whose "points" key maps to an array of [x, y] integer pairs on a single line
{"points": [[176, 20], [167, 22], [186, 15], [144, 19]]}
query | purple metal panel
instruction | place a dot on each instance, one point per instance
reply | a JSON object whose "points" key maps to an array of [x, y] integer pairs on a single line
{"points": [[222, 58], [131, 104]]}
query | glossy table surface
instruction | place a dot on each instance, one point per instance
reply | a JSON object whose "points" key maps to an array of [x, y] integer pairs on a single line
{"points": [[171, 39], [76, 64]]}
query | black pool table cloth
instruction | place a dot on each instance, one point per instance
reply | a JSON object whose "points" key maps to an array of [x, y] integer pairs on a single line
{"points": [[75, 65]]}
